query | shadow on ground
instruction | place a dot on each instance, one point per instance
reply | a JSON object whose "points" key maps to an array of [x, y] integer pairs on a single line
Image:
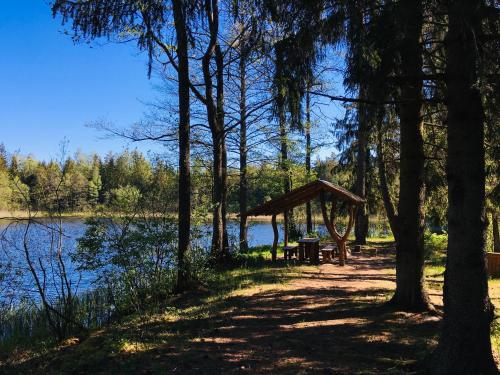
{"points": [[327, 321]]}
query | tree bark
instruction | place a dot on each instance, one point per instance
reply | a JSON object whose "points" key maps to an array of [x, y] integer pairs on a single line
{"points": [[496, 233], [361, 228], [465, 345], [410, 292], [274, 250], [184, 203], [215, 117], [309, 224], [243, 191], [287, 215], [384, 185], [218, 197]]}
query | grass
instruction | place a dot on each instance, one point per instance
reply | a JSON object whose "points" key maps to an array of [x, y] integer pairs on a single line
{"points": [[254, 316], [144, 333]]}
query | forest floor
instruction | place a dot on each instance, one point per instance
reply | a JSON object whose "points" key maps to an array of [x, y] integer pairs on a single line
{"points": [[261, 319]]}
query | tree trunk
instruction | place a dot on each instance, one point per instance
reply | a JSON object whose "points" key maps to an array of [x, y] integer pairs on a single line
{"points": [[361, 228], [465, 346], [215, 117], [243, 192], [309, 224], [184, 208], [287, 215], [384, 186], [410, 292], [222, 177], [275, 239], [219, 235], [225, 238], [496, 234]]}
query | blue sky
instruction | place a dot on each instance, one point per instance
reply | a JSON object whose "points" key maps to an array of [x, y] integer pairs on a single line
{"points": [[51, 87]]}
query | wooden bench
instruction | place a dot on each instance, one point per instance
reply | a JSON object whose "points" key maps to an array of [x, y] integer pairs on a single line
{"points": [[288, 251], [328, 252]]}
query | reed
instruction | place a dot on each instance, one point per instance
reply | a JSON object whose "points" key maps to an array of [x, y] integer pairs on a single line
{"points": [[28, 321]]}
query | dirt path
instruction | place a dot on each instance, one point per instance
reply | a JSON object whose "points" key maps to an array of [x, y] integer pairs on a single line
{"points": [[331, 320], [327, 320]]}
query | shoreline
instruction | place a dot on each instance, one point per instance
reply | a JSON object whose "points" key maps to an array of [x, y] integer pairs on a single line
{"points": [[6, 215]]}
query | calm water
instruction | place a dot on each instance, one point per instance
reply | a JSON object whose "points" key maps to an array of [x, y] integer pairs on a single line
{"points": [[41, 242]]}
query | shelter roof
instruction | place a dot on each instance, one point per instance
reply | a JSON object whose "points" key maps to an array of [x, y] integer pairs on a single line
{"points": [[302, 195]]}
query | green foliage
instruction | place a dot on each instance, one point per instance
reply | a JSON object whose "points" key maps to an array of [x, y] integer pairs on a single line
{"points": [[84, 183], [133, 257], [3, 158], [5, 190], [95, 185], [125, 198], [19, 193], [119, 182], [435, 246]]}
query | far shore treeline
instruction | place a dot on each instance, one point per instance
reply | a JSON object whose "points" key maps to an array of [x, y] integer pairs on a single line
{"points": [[81, 184]]}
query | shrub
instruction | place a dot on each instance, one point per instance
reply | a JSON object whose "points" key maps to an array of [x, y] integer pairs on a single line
{"points": [[435, 246], [133, 257]]}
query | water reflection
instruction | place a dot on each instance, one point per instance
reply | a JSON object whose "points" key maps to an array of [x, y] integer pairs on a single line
{"points": [[41, 242]]}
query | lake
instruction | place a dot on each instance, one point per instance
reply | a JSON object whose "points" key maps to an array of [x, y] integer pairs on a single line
{"points": [[41, 242], [20, 283]]}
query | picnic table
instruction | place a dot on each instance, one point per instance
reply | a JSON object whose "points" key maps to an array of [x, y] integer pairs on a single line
{"points": [[309, 249]]}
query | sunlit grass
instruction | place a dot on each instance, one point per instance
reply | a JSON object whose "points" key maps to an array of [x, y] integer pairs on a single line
{"points": [[388, 239]]}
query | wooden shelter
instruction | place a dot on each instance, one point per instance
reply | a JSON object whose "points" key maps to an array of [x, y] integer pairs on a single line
{"points": [[304, 194]]}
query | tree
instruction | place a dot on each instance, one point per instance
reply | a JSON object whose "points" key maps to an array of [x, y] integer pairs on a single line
{"points": [[3, 158], [95, 182], [243, 191], [307, 129], [465, 345], [212, 55], [5, 190], [148, 20], [5, 184], [361, 228], [410, 292], [360, 64], [385, 172], [283, 137], [245, 21], [215, 116], [287, 101], [184, 187]]}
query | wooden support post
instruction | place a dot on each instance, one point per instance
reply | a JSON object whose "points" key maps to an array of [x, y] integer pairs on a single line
{"points": [[274, 250], [285, 228], [330, 226], [352, 217]]}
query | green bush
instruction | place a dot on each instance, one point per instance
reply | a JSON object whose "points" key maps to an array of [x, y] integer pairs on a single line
{"points": [[125, 198], [435, 246], [133, 257]]}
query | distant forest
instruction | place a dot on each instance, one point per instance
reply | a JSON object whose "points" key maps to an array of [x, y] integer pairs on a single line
{"points": [[84, 183]]}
